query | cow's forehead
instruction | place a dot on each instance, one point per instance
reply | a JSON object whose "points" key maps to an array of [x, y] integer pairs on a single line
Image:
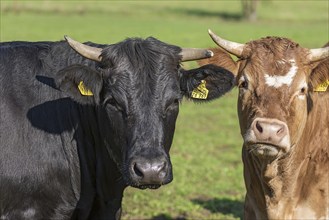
{"points": [[273, 52], [148, 85], [276, 45], [275, 62]]}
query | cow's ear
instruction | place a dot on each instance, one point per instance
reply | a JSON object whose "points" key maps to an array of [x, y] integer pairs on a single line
{"points": [[319, 77], [81, 83], [206, 83]]}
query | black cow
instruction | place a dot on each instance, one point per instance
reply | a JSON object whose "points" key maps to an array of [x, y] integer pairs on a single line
{"points": [[80, 122]]}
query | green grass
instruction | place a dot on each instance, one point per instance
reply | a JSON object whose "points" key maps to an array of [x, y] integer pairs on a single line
{"points": [[206, 153]]}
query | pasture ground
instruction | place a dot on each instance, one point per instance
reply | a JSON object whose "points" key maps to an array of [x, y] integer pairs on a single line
{"points": [[206, 153]]}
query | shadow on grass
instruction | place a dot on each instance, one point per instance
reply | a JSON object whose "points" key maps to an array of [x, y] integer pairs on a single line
{"points": [[167, 217], [204, 13], [224, 206]]}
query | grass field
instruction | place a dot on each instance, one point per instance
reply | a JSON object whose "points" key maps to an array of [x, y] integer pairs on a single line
{"points": [[206, 153]]}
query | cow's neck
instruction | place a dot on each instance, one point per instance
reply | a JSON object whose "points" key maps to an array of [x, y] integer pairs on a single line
{"points": [[96, 164], [276, 182]]}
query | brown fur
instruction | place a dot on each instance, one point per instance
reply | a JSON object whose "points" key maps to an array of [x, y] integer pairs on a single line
{"points": [[294, 184]]}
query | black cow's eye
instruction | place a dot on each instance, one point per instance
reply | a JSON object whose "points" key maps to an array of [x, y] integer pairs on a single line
{"points": [[174, 105], [110, 101]]}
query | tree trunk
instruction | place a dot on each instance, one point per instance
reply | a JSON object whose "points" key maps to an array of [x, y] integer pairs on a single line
{"points": [[249, 9]]}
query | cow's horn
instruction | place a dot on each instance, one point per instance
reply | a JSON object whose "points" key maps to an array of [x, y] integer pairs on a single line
{"points": [[231, 47], [195, 54], [318, 54], [92, 53]]}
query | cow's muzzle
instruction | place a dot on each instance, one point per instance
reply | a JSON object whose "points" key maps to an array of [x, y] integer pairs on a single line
{"points": [[150, 173], [268, 137]]}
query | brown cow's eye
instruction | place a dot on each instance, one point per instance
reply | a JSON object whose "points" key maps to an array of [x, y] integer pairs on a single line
{"points": [[243, 85], [303, 90], [243, 82]]}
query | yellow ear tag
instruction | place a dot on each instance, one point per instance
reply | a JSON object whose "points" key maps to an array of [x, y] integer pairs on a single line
{"points": [[201, 92], [83, 90], [322, 87]]}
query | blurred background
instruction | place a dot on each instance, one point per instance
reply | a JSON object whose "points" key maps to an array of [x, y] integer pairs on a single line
{"points": [[206, 153]]}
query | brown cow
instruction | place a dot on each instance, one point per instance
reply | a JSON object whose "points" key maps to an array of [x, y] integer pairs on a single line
{"points": [[284, 121]]}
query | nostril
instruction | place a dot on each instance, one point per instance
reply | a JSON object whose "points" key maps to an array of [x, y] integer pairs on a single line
{"points": [[259, 127], [281, 131], [162, 170], [159, 167], [138, 171]]}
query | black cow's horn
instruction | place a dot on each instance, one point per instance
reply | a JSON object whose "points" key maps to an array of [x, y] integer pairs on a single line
{"points": [[231, 47], [318, 54], [92, 53], [195, 54]]}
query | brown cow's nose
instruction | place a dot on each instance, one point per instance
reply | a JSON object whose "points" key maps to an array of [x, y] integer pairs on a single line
{"points": [[150, 172], [269, 130]]}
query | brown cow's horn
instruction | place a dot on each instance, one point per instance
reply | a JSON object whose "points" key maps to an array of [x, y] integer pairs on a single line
{"points": [[92, 53], [318, 54], [195, 54], [231, 47]]}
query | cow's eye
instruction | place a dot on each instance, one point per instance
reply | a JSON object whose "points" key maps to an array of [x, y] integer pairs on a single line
{"points": [[174, 105], [110, 101], [243, 84], [303, 91]]}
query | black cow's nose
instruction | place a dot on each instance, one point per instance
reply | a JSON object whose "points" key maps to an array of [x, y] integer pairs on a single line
{"points": [[150, 171]]}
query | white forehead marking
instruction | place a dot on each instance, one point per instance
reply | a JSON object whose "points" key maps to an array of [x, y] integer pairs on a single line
{"points": [[277, 81]]}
